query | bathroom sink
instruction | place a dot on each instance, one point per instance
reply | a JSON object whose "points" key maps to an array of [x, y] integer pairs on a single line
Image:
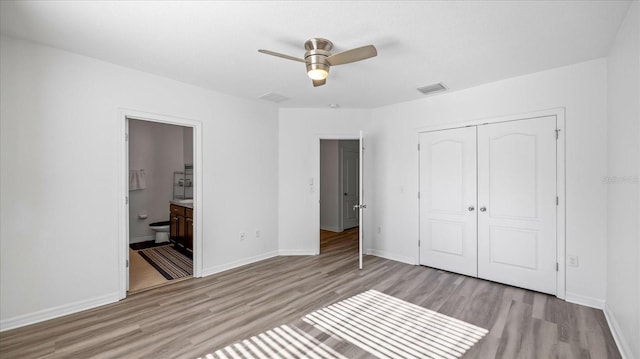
{"points": [[186, 201]]}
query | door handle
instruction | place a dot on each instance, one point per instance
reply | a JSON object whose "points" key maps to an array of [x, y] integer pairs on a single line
{"points": [[483, 209], [471, 208], [345, 193]]}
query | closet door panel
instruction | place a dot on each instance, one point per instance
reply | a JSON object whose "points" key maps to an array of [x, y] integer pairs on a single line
{"points": [[447, 200], [517, 203]]}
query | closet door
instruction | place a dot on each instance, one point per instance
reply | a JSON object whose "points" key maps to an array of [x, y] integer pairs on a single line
{"points": [[517, 203], [448, 200]]}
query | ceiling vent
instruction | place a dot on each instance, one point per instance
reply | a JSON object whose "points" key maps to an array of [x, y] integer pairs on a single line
{"points": [[273, 97], [426, 90]]}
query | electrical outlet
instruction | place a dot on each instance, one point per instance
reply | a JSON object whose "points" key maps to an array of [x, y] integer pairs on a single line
{"points": [[379, 229], [572, 261], [243, 236], [257, 233]]}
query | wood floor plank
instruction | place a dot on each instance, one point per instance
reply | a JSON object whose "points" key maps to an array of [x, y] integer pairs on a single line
{"points": [[195, 317], [514, 335]]}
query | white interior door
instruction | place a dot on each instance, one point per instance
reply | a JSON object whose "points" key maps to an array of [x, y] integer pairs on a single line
{"points": [[517, 203], [361, 206], [350, 186], [448, 200]]}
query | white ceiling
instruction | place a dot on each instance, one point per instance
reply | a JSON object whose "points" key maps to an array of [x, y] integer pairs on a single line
{"points": [[214, 44]]}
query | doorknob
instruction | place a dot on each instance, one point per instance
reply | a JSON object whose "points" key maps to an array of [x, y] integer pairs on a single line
{"points": [[471, 208], [345, 193], [483, 208]]}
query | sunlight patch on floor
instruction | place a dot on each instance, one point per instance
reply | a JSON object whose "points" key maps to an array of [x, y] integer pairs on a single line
{"points": [[280, 342], [388, 327], [383, 326]]}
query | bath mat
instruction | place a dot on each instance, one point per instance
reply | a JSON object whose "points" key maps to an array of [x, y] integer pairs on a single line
{"points": [[146, 244], [171, 263], [388, 327], [281, 342]]}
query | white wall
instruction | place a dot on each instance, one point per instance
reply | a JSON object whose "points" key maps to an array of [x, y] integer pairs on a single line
{"points": [[60, 166], [391, 171], [48, 96], [299, 133], [623, 201], [329, 186], [580, 88]]}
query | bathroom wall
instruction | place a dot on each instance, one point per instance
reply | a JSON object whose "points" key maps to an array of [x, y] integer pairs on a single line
{"points": [[187, 135], [159, 149]]}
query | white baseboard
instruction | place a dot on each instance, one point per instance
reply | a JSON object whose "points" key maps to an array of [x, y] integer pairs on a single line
{"points": [[584, 300], [297, 252], [238, 263], [331, 228], [618, 336], [392, 256], [51, 313], [142, 239]]}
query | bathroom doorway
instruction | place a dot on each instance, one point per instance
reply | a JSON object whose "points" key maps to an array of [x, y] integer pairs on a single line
{"points": [[161, 237], [160, 192]]}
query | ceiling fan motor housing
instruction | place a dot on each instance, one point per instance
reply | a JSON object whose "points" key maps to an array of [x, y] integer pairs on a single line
{"points": [[317, 53]]}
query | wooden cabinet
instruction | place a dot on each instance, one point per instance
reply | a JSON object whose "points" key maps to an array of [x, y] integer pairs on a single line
{"points": [[181, 229], [189, 229]]}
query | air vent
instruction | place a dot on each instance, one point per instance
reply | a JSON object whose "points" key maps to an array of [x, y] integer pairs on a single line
{"points": [[273, 97], [432, 88]]}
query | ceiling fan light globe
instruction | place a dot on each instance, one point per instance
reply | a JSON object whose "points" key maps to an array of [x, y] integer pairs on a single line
{"points": [[318, 74]]}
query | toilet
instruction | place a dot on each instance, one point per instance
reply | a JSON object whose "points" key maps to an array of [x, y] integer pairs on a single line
{"points": [[162, 230]]}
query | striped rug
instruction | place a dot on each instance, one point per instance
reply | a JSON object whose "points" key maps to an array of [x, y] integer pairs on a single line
{"points": [[171, 263]]}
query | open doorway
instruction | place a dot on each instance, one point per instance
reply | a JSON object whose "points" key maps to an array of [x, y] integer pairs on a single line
{"points": [[160, 203], [339, 195]]}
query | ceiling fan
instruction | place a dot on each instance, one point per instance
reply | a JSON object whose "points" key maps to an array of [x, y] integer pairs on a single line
{"points": [[318, 58]]}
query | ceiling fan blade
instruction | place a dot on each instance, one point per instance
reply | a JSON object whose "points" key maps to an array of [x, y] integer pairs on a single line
{"points": [[268, 52], [317, 83], [353, 55]]}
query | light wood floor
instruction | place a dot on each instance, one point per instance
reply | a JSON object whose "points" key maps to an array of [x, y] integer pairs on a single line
{"points": [[195, 317], [142, 275]]}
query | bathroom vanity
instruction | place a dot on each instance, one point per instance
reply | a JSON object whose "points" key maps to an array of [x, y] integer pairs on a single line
{"points": [[181, 228]]}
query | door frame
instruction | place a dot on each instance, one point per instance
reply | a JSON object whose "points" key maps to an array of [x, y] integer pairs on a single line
{"points": [[560, 179], [316, 174], [123, 189]]}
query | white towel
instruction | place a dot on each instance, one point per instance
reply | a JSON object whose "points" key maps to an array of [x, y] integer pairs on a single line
{"points": [[137, 180]]}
